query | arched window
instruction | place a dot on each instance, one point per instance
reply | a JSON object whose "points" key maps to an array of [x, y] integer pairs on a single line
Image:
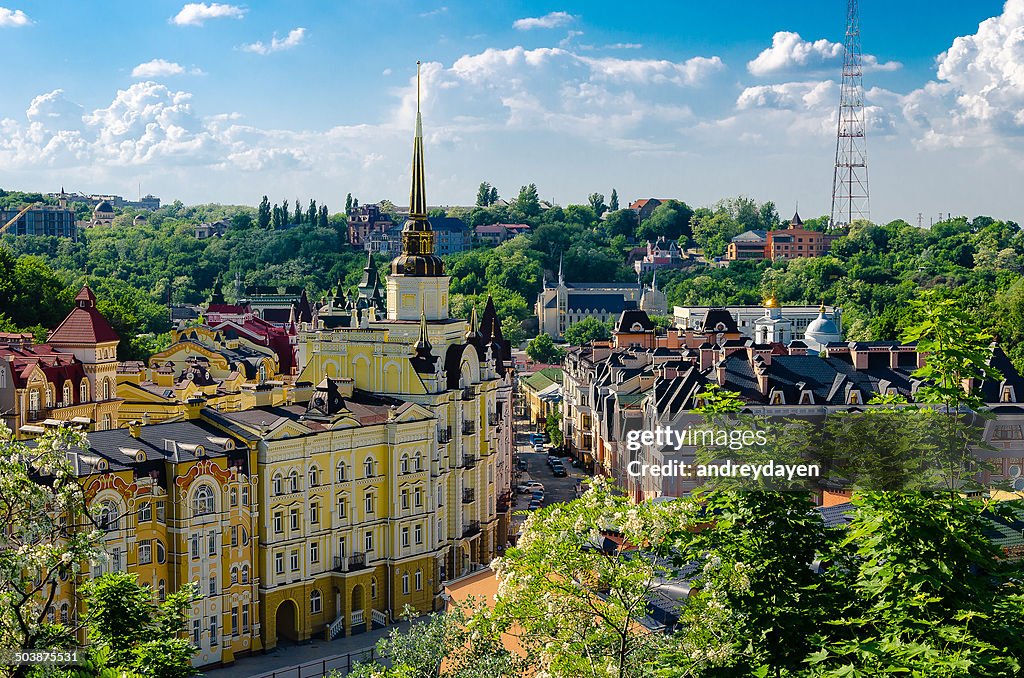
{"points": [[161, 552], [64, 613], [315, 602], [49, 396], [162, 590], [3, 378], [341, 471], [83, 392], [33, 401], [106, 389], [109, 519], [278, 489], [293, 480], [67, 394], [245, 574], [245, 536], [419, 462], [234, 575], [404, 464], [263, 373], [202, 504], [368, 467], [234, 496], [314, 476], [373, 588]]}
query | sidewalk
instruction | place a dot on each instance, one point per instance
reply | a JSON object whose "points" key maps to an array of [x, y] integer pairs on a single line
{"points": [[284, 657]]}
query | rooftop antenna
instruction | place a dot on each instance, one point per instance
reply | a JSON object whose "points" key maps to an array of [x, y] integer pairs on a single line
{"points": [[850, 176]]}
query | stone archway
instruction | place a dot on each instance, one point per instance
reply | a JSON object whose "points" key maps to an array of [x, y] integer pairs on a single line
{"points": [[286, 621]]}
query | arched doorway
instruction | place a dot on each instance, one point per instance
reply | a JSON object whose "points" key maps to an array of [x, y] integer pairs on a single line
{"points": [[357, 611], [286, 621]]}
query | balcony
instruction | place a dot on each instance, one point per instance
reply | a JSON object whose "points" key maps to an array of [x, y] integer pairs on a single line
{"points": [[492, 418], [38, 415], [444, 435], [468, 427], [352, 563], [468, 495], [471, 528], [467, 393]]}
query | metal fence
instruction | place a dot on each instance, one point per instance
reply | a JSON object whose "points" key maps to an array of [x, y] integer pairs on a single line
{"points": [[342, 663]]}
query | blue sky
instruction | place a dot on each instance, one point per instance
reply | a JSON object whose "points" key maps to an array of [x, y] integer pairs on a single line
{"points": [[224, 102]]}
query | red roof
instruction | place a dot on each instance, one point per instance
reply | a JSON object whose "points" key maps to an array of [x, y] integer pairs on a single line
{"points": [[85, 324]]}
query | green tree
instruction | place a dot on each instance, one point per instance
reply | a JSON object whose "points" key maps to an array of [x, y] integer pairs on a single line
{"points": [[542, 349], [348, 203], [512, 331], [553, 427], [587, 330], [494, 196], [670, 219], [483, 194], [285, 215], [613, 202], [311, 212], [263, 214], [322, 221], [277, 221], [299, 215], [528, 202], [596, 202], [620, 222]]}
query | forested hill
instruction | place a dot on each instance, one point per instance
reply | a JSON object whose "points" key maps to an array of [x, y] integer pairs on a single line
{"points": [[137, 264]]}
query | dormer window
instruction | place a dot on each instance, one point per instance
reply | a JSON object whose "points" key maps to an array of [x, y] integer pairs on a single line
{"points": [[806, 398], [853, 398], [1007, 395], [776, 398]]}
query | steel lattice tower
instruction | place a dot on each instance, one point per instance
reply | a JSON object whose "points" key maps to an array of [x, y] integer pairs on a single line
{"points": [[850, 179]]}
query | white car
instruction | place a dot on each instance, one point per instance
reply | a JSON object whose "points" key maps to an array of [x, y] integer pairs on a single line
{"points": [[529, 486], [538, 447]]}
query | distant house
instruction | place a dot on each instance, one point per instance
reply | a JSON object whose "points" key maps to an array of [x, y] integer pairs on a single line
{"points": [[494, 234], [452, 235], [212, 230], [662, 253], [748, 245], [645, 207], [792, 242], [364, 220]]}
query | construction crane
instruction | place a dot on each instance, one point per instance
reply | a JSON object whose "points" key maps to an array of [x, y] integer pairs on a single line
{"points": [[17, 216]]}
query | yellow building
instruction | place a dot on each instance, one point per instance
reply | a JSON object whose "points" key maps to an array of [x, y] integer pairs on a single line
{"points": [[178, 503]]}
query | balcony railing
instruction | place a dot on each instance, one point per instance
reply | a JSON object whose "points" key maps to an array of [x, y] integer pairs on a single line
{"points": [[467, 393], [468, 495], [468, 427], [468, 460], [471, 528], [444, 435], [492, 418], [38, 415], [351, 563]]}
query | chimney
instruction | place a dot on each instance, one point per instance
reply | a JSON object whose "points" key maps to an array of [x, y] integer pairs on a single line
{"points": [[707, 357], [720, 372], [761, 372], [264, 395]]}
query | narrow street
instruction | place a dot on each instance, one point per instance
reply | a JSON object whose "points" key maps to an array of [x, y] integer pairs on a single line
{"points": [[556, 490]]}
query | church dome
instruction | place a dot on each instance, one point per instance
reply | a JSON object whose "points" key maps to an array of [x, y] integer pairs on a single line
{"points": [[822, 329], [104, 207]]}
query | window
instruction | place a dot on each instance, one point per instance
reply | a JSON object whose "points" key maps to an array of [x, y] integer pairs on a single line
{"points": [[64, 613], [49, 396], [195, 545], [418, 534], [440, 497], [106, 389], [418, 466], [314, 476], [368, 541], [294, 561], [277, 484], [234, 497], [161, 590], [161, 552], [234, 575], [418, 494], [245, 618], [367, 467], [314, 552], [419, 580], [245, 574], [293, 481], [405, 499], [245, 495], [314, 513], [234, 620], [404, 463], [278, 522], [405, 583], [67, 394], [33, 401], [315, 602], [342, 507], [145, 513], [234, 535], [263, 373], [115, 559], [196, 624], [373, 588], [405, 536], [160, 512], [202, 504], [294, 518], [83, 392], [341, 471], [854, 398], [145, 553], [245, 536], [368, 502], [279, 563], [212, 543], [213, 584], [108, 519], [341, 547], [213, 631]]}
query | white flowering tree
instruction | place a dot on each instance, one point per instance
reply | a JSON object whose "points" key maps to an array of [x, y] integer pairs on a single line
{"points": [[576, 592], [46, 536]]}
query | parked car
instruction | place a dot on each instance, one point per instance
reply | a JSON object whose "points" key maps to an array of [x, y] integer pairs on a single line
{"points": [[552, 459], [534, 505], [537, 495], [560, 472], [522, 465], [538, 447], [530, 486], [537, 438]]}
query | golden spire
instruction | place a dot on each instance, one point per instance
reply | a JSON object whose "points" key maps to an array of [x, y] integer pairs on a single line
{"points": [[418, 196]]}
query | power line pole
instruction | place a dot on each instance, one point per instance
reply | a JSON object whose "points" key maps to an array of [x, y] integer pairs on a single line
{"points": [[850, 177]]}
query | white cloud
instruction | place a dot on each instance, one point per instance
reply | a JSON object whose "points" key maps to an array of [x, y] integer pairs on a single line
{"points": [[434, 12], [551, 20], [197, 13], [160, 68], [789, 52], [625, 45], [13, 18], [293, 39]]}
